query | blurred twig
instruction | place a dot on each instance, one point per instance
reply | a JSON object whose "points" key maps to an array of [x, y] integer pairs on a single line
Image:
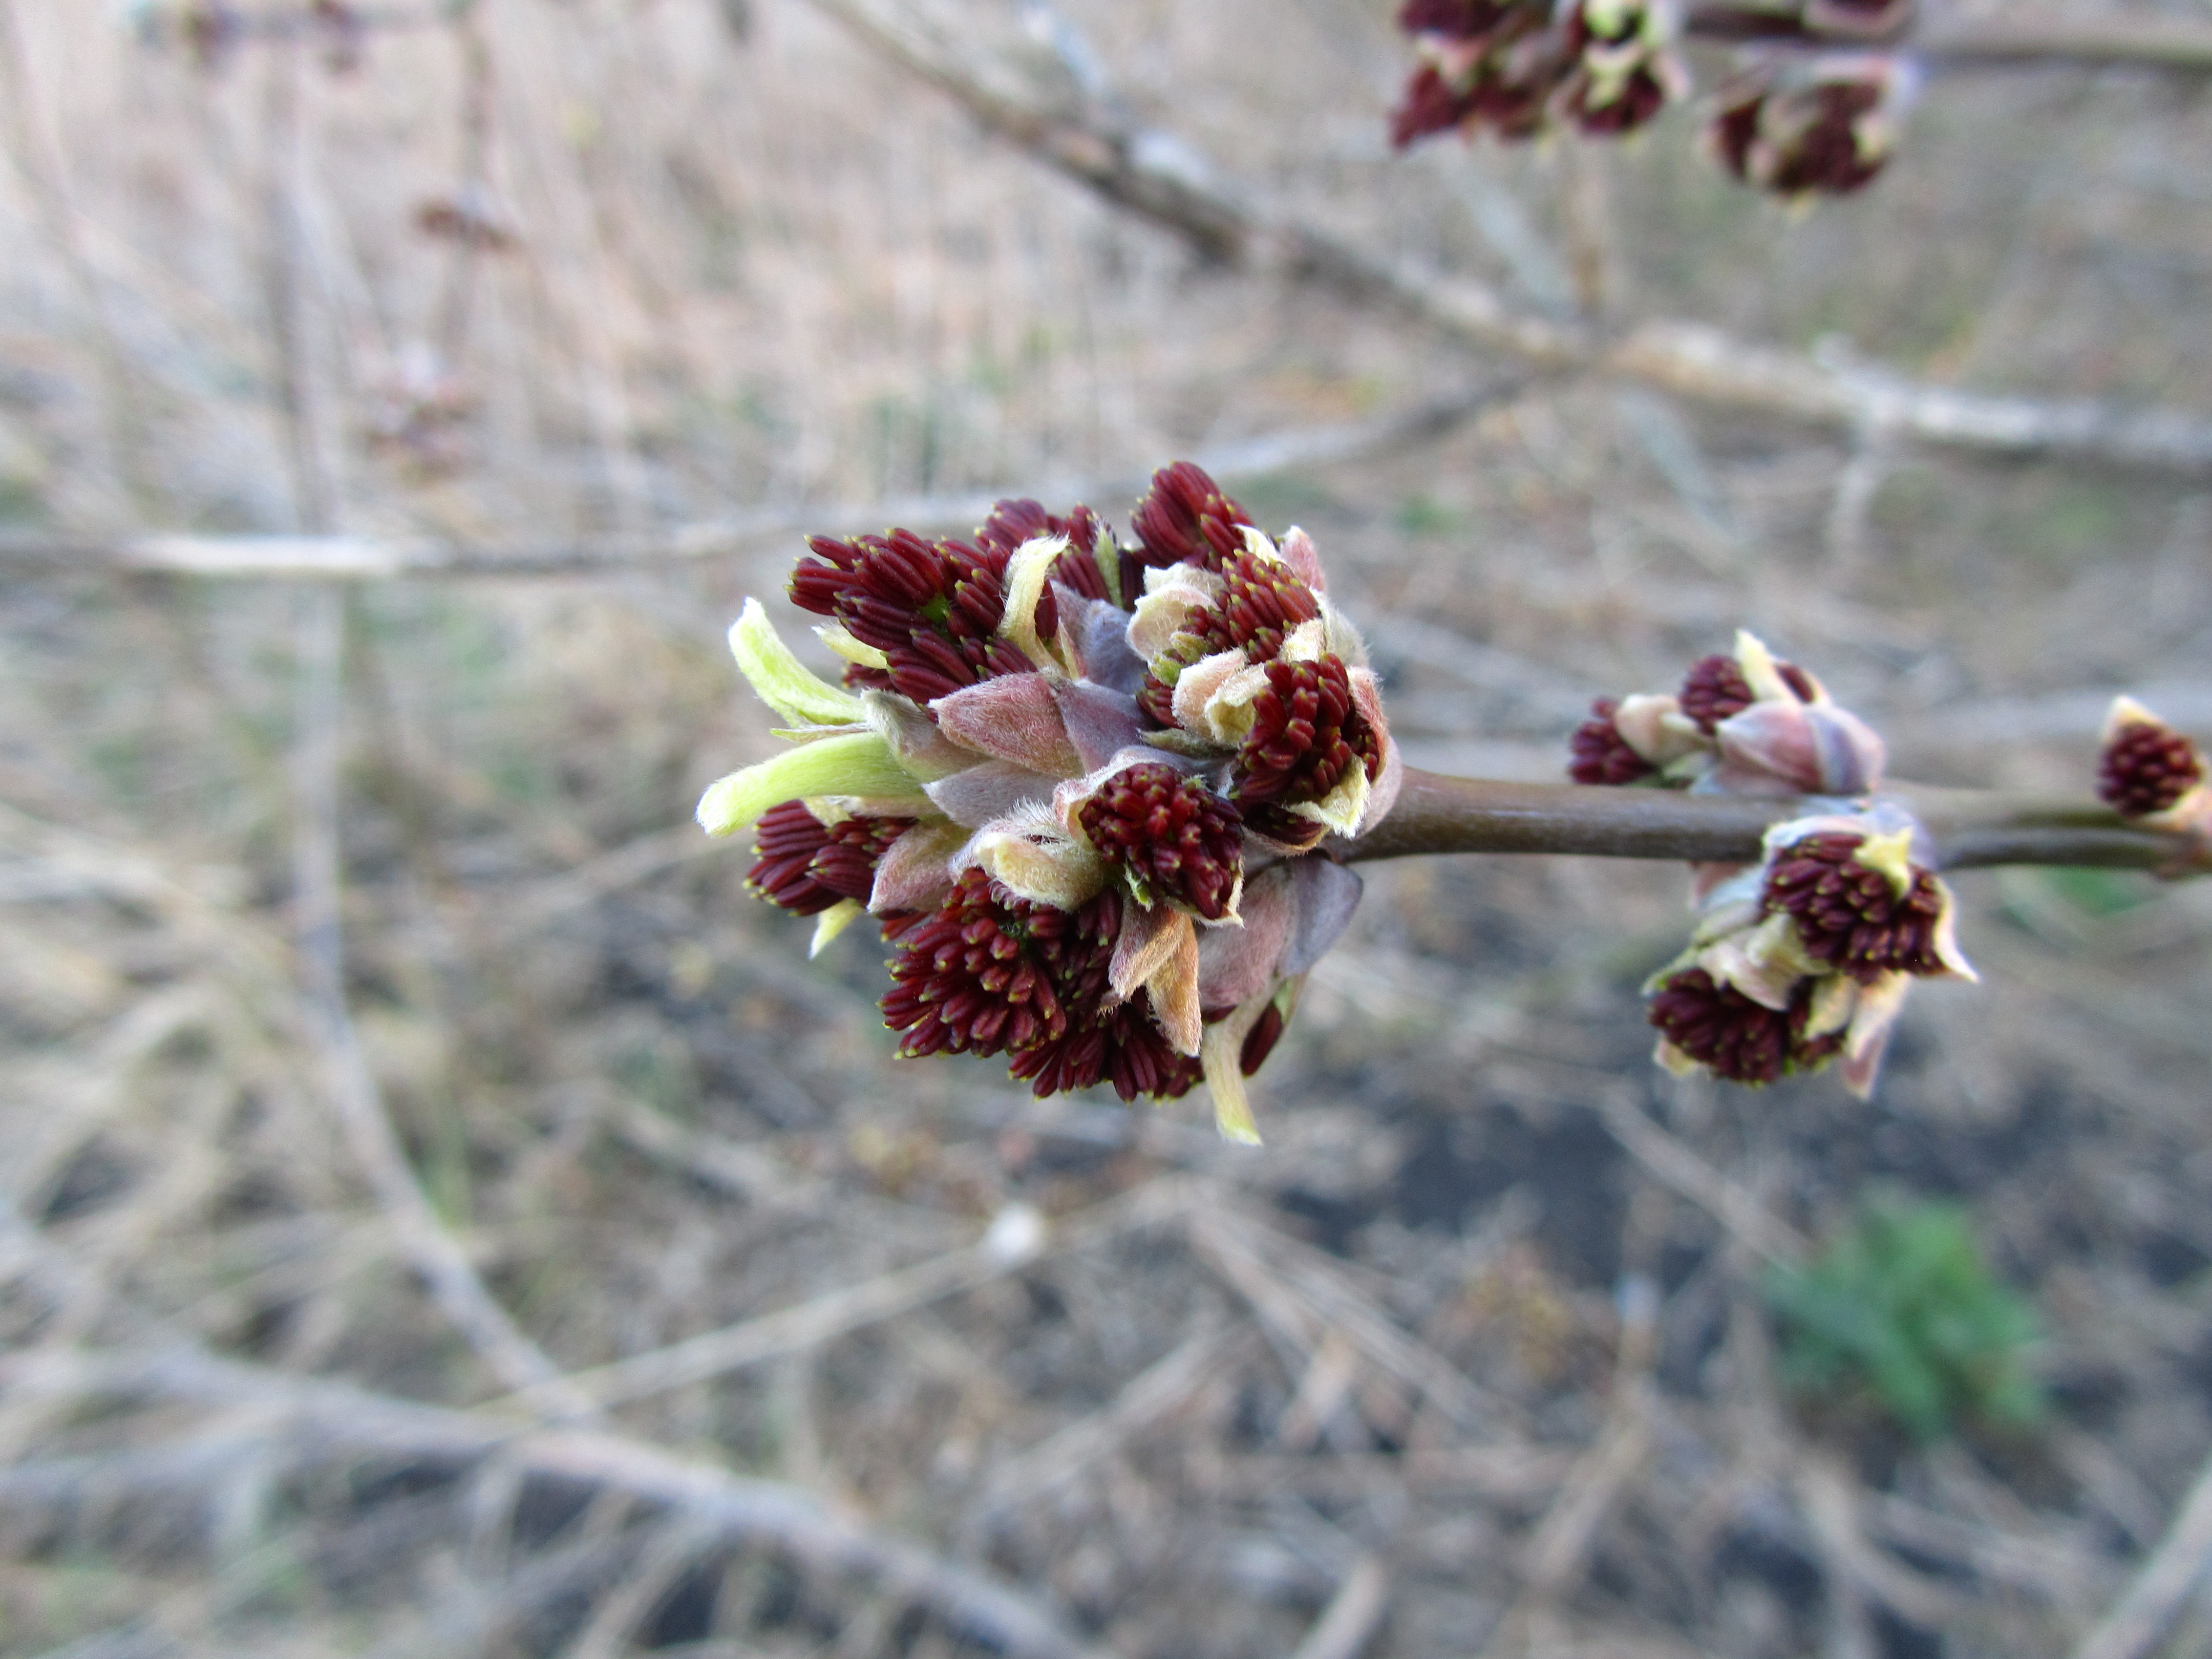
{"points": [[1161, 180], [2139, 1618], [317, 860], [740, 535], [304, 1421], [39, 161]]}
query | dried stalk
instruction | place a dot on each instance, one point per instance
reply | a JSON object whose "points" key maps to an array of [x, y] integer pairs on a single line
{"points": [[1972, 829], [1229, 224]]}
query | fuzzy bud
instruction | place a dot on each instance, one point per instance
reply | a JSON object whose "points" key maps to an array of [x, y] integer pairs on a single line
{"points": [[1175, 838], [2147, 767]]}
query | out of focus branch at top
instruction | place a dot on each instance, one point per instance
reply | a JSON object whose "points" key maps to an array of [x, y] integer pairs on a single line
{"points": [[2011, 42], [1147, 173]]}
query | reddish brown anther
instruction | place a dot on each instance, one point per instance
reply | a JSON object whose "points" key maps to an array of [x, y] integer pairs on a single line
{"points": [[970, 980], [1430, 105], [991, 974], [1186, 519], [1259, 1042], [1171, 833], [1013, 522], [1736, 1038], [2147, 767], [1306, 734], [1801, 140], [1852, 917], [1634, 100], [1602, 755], [1260, 602], [932, 608], [1715, 688], [805, 866]]}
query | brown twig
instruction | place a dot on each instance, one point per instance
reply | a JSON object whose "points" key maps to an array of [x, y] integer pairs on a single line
{"points": [[1972, 829], [1229, 224]]}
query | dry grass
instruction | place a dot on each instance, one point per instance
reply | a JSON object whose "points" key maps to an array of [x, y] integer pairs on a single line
{"points": [[1370, 1386]]}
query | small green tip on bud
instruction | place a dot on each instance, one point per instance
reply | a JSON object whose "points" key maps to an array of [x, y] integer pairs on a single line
{"points": [[781, 681], [858, 764]]}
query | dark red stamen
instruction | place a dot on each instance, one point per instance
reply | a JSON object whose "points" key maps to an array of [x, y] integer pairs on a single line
{"points": [[1740, 1040], [1172, 832], [1602, 755], [1852, 917], [2147, 767]]}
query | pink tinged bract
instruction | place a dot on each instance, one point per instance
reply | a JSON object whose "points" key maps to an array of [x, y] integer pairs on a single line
{"points": [[1012, 718], [1149, 935], [1100, 723], [922, 749], [1195, 687], [1324, 895], [1299, 551], [1778, 748], [1383, 792], [1866, 1039], [1173, 988], [996, 789], [1235, 964], [915, 872], [1097, 633]]}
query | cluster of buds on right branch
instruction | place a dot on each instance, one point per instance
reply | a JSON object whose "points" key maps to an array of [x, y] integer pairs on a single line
{"points": [[2153, 775], [1804, 958], [1815, 106]]}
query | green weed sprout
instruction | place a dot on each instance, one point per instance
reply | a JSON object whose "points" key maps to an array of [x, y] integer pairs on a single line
{"points": [[1903, 1309]]}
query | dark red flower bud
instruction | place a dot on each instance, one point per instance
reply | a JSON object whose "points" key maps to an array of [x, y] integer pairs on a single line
{"points": [[2147, 767], [1715, 688], [1851, 916], [1013, 522], [1186, 519], [991, 974], [1172, 832], [805, 865], [932, 608], [1827, 137], [1261, 602], [1259, 1042], [1430, 105], [1738, 1039], [971, 980], [1306, 735], [1607, 100], [1602, 755]]}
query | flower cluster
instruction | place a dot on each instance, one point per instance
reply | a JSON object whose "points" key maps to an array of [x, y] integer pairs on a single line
{"points": [[1816, 109], [1804, 958], [1822, 125], [1084, 787], [1745, 723], [1517, 67], [2152, 774]]}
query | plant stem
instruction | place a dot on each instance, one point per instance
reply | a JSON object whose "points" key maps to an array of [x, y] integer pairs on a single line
{"points": [[1972, 828]]}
